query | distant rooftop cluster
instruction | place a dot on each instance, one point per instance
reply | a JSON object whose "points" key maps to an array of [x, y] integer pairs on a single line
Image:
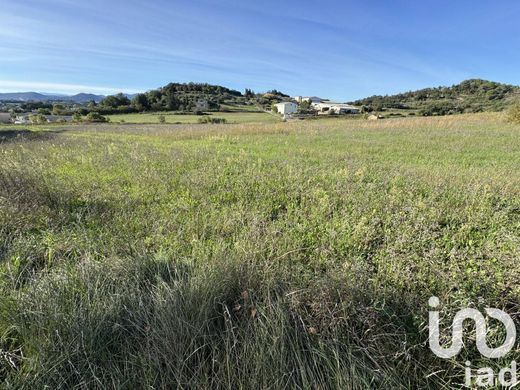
{"points": [[316, 105]]}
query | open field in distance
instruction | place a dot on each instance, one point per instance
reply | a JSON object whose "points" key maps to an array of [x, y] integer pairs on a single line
{"points": [[267, 255], [230, 117]]}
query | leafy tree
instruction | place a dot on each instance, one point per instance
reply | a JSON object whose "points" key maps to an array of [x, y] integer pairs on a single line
{"points": [[305, 107], [57, 109], [170, 101], [43, 111], [115, 101], [140, 102], [95, 117], [38, 119]]}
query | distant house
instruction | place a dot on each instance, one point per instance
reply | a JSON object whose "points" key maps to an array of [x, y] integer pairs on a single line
{"points": [[201, 105], [22, 120], [5, 118], [334, 108], [286, 108]]}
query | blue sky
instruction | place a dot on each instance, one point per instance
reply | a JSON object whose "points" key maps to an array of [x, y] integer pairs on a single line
{"points": [[337, 49]]}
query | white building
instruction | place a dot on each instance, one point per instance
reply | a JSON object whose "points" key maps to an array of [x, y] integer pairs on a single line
{"points": [[336, 108], [21, 120], [286, 108]]}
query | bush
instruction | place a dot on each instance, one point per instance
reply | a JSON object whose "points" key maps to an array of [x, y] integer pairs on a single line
{"points": [[162, 119], [95, 117], [513, 114], [38, 119], [208, 119]]}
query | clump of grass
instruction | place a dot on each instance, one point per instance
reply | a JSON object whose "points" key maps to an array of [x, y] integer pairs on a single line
{"points": [[513, 115], [212, 120]]}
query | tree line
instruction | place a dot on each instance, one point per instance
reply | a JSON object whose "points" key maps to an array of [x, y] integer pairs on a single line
{"points": [[473, 95]]}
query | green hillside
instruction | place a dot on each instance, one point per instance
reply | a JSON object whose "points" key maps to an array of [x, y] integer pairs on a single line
{"points": [[178, 96], [473, 95], [184, 97]]}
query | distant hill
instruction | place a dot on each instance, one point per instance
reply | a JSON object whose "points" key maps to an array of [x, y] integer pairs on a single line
{"points": [[23, 96], [41, 97], [184, 97], [83, 98], [473, 95]]}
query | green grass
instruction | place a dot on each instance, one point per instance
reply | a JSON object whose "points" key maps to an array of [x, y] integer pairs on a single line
{"points": [[283, 255], [231, 117], [240, 108]]}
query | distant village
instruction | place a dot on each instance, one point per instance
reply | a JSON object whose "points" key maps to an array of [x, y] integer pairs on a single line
{"points": [[315, 105], [198, 99], [30, 118]]}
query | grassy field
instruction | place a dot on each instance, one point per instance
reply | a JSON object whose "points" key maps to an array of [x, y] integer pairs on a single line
{"points": [[276, 255], [230, 117]]}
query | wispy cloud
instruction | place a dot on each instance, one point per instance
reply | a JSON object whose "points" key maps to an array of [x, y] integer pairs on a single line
{"points": [[343, 51], [38, 86]]}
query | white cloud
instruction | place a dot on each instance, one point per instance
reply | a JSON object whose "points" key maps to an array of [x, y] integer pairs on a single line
{"points": [[21, 86]]}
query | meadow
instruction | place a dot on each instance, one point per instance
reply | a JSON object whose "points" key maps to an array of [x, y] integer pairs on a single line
{"points": [[262, 255], [176, 118]]}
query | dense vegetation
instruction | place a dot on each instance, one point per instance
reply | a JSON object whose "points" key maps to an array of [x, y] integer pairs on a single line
{"points": [[469, 96], [287, 255], [174, 97], [184, 98]]}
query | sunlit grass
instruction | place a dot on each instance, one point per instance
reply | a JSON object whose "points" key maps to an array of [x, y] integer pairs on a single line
{"points": [[298, 255], [172, 118]]}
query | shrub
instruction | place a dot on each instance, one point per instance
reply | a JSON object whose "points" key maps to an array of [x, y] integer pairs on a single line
{"points": [[513, 114], [95, 117], [38, 119], [208, 119], [162, 119]]}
